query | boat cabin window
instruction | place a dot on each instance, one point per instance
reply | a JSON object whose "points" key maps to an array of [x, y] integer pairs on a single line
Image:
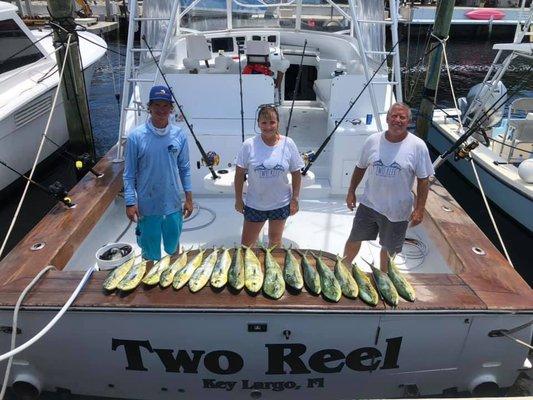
{"points": [[17, 48]]}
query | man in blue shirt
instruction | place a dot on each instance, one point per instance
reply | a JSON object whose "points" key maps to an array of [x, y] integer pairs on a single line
{"points": [[157, 155]]}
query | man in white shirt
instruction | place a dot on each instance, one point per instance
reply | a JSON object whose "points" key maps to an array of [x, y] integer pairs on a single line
{"points": [[391, 160]]}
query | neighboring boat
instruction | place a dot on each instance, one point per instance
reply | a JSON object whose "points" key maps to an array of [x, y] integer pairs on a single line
{"points": [[505, 164], [155, 343], [28, 78]]}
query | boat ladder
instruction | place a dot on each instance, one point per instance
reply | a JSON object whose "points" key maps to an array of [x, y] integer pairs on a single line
{"points": [[368, 57], [131, 100], [489, 87]]}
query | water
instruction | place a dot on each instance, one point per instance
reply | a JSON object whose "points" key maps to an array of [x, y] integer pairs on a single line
{"points": [[469, 62]]}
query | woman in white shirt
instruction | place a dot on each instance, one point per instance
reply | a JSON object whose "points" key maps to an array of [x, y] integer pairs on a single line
{"points": [[267, 158]]}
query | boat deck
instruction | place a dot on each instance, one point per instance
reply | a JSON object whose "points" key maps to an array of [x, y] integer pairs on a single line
{"points": [[457, 279]]}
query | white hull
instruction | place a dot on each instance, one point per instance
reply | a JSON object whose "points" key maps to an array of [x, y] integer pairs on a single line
{"points": [[19, 144], [211, 354], [512, 199], [28, 83]]}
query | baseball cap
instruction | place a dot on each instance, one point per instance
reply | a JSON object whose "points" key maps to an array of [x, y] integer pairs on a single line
{"points": [[161, 93]]}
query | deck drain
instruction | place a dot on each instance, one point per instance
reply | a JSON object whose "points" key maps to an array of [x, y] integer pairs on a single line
{"points": [[446, 208], [37, 246], [478, 250]]}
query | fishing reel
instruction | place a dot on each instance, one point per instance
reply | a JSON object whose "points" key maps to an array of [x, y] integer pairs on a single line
{"points": [[463, 152], [57, 189], [211, 159], [308, 156], [85, 162]]}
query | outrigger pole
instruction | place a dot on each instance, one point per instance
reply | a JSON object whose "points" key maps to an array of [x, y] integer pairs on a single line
{"points": [[313, 158], [56, 190], [240, 89], [296, 86], [208, 163]]}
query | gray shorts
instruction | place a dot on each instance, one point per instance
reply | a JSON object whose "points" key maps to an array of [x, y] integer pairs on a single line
{"points": [[367, 223]]}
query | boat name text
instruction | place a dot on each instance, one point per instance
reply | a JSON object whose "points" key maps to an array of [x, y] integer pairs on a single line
{"points": [[282, 358]]}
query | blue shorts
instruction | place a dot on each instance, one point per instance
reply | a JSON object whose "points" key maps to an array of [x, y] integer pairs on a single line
{"points": [[151, 228], [253, 215]]}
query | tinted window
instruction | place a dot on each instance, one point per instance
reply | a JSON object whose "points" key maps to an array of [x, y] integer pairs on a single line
{"points": [[17, 48]]}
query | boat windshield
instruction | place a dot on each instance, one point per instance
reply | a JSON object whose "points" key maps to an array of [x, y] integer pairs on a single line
{"points": [[18, 49], [313, 15]]}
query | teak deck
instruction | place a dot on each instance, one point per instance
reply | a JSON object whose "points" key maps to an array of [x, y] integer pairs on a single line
{"points": [[480, 283]]}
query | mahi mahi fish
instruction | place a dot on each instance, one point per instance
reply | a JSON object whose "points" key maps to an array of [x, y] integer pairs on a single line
{"points": [[118, 274], [330, 286], [311, 277], [184, 274], [220, 272], [292, 272], [403, 287], [273, 285], [152, 277], [167, 276], [367, 293], [133, 277], [348, 285], [202, 274], [385, 286], [236, 270], [253, 274]]}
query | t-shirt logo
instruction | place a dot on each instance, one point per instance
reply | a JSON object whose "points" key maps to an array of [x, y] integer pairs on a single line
{"points": [[172, 149], [266, 173], [387, 171]]}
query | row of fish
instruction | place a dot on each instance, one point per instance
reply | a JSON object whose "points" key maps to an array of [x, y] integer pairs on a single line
{"points": [[244, 270]]}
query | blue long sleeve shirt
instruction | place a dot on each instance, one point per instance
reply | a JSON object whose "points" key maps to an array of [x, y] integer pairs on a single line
{"points": [[153, 164]]}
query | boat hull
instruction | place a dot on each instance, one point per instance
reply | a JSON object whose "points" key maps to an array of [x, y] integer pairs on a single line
{"points": [[21, 132], [514, 203], [222, 354]]}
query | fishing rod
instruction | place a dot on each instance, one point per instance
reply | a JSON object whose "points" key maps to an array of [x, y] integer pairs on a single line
{"points": [[56, 190], [313, 157], [477, 126], [208, 161], [240, 90], [296, 86]]}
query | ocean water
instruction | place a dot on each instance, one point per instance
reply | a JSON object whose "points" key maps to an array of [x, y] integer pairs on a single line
{"points": [[468, 59]]}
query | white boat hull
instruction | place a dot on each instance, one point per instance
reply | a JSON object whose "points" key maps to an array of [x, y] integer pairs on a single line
{"points": [[513, 202], [225, 354], [19, 140]]}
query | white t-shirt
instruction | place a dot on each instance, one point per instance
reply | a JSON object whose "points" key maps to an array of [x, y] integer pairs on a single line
{"points": [[267, 166], [391, 170]]}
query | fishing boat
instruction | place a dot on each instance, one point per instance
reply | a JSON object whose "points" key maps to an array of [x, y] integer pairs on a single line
{"points": [[465, 331], [28, 79], [502, 122]]}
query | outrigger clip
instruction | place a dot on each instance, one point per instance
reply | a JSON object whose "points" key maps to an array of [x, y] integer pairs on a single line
{"points": [[84, 161], [57, 189], [463, 152]]}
